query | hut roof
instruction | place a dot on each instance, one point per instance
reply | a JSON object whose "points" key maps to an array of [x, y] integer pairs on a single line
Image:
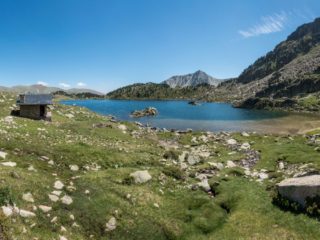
{"points": [[35, 99]]}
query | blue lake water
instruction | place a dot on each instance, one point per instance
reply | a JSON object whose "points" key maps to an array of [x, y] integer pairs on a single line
{"points": [[181, 115]]}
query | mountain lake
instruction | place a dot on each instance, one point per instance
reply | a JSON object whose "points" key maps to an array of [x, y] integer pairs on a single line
{"points": [[215, 117]]}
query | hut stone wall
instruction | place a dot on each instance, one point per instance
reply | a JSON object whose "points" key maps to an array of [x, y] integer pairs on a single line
{"points": [[30, 111]]}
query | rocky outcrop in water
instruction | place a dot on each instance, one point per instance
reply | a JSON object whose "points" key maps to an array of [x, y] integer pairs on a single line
{"points": [[147, 112]]}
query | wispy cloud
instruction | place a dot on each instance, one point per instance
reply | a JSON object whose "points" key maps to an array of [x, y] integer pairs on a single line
{"points": [[269, 24], [81, 84], [65, 85], [42, 83]]}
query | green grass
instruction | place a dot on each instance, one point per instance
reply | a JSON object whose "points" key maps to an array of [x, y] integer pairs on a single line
{"points": [[242, 208]]}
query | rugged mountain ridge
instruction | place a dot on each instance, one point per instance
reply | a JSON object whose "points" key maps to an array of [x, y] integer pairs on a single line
{"points": [[38, 88], [290, 71], [192, 79]]}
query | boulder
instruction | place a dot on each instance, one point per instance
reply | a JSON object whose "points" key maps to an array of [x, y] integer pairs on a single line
{"points": [[218, 166], [122, 127], [45, 208], [66, 200], [53, 198], [9, 164], [204, 185], [230, 164], [141, 176], [3, 155], [28, 197], [231, 141], [147, 112], [193, 159], [74, 167], [298, 189], [7, 211], [245, 146], [111, 224], [26, 214], [58, 185]]}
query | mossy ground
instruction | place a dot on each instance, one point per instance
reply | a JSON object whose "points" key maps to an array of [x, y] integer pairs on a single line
{"points": [[241, 209]]}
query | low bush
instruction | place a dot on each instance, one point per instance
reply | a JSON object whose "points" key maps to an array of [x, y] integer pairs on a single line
{"points": [[174, 172]]}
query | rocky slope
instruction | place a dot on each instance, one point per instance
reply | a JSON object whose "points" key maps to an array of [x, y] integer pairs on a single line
{"points": [[37, 88], [290, 71], [192, 79]]}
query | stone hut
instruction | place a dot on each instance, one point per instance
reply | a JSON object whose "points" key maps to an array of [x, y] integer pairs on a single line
{"points": [[35, 106]]}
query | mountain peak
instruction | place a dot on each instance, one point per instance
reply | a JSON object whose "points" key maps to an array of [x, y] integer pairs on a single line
{"points": [[192, 79]]}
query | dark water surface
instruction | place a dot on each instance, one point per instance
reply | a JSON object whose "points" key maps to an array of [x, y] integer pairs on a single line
{"points": [[180, 115]]}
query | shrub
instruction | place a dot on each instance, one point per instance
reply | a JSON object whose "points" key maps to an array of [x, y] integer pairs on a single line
{"points": [[313, 206], [174, 172], [171, 155], [129, 180], [5, 196]]}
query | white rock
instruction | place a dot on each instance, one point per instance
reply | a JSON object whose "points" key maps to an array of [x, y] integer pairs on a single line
{"points": [[58, 185], [263, 175], [31, 168], [8, 119], [281, 165], [57, 193], [45, 208], [156, 205], [28, 197], [218, 166], [231, 141], [230, 164], [63, 229], [53, 198], [74, 167], [7, 211], [111, 224], [244, 134], [25, 213], [193, 159], [9, 164], [141, 176], [69, 115], [62, 238], [205, 185], [122, 127], [51, 162], [66, 200], [86, 192], [3, 155], [245, 146]]}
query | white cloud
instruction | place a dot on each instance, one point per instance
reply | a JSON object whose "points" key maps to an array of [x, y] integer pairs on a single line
{"points": [[270, 24], [42, 83], [81, 84], [65, 85]]}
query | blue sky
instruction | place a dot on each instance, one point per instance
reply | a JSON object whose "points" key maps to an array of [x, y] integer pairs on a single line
{"points": [[106, 44]]}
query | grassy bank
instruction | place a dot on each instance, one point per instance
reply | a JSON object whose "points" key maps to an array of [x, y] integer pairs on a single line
{"points": [[172, 205]]}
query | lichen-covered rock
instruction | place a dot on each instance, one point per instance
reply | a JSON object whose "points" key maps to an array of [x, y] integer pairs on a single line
{"points": [[141, 176]]}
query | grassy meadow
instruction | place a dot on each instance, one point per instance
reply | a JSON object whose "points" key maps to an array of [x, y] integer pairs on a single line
{"points": [[94, 164]]}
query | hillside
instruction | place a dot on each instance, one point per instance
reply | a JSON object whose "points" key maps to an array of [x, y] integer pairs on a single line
{"points": [[153, 91], [191, 80], [70, 179], [38, 88], [291, 71]]}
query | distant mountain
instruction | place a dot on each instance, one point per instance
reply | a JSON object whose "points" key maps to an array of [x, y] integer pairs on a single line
{"points": [[192, 79], [43, 89]]}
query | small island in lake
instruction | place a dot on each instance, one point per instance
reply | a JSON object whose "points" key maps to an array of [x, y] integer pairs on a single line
{"points": [[147, 112]]}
